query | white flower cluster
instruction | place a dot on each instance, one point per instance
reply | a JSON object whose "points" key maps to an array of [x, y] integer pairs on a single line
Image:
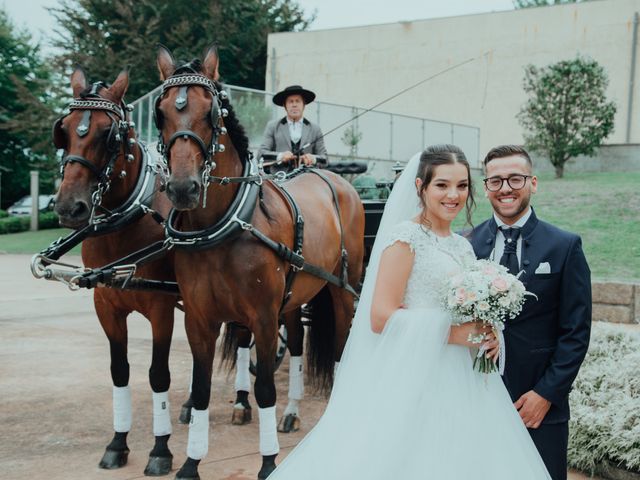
{"points": [[605, 404], [485, 291]]}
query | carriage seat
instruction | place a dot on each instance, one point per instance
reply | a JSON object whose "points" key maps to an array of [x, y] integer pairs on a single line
{"points": [[347, 168]]}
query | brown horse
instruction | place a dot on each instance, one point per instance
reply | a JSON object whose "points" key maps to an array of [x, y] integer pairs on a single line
{"points": [[241, 279], [102, 167]]}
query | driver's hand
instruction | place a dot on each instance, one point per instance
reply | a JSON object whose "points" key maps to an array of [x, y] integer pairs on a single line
{"points": [[286, 157], [308, 159]]}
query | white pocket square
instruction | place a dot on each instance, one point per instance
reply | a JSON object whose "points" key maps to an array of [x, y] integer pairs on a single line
{"points": [[544, 267]]}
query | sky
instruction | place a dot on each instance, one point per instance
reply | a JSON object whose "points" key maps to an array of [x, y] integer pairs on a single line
{"points": [[31, 14]]}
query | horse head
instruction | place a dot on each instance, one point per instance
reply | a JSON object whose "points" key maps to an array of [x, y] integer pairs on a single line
{"points": [[189, 114], [95, 138]]}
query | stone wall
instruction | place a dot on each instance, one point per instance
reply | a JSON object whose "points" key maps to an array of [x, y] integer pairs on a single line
{"points": [[616, 302]]}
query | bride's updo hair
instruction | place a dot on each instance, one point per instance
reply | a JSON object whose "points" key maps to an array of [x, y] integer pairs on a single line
{"points": [[444, 154]]}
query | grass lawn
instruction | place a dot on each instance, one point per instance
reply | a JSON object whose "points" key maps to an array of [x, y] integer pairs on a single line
{"points": [[603, 208], [32, 242]]}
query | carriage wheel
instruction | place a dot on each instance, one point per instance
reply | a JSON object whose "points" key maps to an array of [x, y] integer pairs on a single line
{"points": [[280, 351]]}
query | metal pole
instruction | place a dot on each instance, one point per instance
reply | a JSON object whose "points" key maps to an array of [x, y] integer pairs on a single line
{"points": [[632, 75], [273, 70], [35, 204], [390, 137]]}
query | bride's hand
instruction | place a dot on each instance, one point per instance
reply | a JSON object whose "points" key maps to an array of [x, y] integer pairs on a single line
{"points": [[491, 346], [461, 334]]}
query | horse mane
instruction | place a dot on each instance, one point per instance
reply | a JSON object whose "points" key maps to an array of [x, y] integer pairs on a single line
{"points": [[235, 130]]}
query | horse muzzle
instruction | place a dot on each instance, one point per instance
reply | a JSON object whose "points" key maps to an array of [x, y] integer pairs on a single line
{"points": [[184, 193], [73, 213]]}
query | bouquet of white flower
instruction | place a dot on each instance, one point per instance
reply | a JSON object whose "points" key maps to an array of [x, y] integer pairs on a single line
{"points": [[485, 291]]}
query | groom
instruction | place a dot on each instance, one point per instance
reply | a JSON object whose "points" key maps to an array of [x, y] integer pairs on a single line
{"points": [[546, 343]]}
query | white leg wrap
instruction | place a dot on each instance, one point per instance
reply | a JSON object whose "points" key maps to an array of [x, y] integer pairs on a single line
{"points": [[122, 409], [292, 408], [296, 379], [161, 414], [268, 433], [243, 379], [198, 444]]}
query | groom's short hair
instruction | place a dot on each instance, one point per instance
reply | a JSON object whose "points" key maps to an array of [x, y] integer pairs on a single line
{"points": [[507, 151]]}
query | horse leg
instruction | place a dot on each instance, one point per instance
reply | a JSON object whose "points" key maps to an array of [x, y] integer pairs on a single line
{"points": [[290, 421], [343, 307], [202, 340], [266, 338], [160, 457], [242, 407], [114, 324]]}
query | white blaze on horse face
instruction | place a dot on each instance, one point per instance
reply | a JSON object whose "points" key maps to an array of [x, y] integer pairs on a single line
{"points": [[243, 379], [268, 431], [161, 414], [122, 409], [198, 444]]}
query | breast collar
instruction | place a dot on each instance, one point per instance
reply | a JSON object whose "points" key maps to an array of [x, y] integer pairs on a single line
{"points": [[228, 227]]}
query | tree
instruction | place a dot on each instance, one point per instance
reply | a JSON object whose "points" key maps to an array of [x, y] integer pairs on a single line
{"points": [[567, 113], [27, 110], [541, 3], [104, 36]]}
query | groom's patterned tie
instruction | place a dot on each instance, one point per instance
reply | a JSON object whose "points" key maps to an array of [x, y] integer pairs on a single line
{"points": [[510, 256]]}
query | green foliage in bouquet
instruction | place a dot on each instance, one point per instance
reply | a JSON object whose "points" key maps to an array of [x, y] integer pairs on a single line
{"points": [[605, 403]]}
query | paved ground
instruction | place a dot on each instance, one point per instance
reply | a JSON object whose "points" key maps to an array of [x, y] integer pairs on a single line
{"points": [[55, 409]]}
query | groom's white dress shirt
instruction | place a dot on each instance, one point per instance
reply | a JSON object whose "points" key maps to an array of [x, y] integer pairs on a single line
{"points": [[498, 249]]}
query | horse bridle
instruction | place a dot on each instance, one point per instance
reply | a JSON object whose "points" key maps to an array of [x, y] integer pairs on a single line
{"points": [[184, 78], [118, 135]]}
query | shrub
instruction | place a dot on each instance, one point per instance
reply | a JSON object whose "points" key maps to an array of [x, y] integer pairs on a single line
{"points": [[3, 214], [14, 224], [21, 224], [605, 402]]}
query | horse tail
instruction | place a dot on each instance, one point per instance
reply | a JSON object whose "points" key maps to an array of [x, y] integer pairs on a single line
{"points": [[321, 342], [229, 346]]}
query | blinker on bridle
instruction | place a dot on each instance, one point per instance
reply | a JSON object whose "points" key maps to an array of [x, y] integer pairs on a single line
{"points": [[184, 78], [118, 135]]}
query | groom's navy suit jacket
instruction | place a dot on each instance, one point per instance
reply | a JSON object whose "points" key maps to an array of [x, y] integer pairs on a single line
{"points": [[546, 344]]}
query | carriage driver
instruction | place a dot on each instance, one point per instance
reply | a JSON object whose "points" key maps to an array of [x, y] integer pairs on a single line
{"points": [[293, 134]]}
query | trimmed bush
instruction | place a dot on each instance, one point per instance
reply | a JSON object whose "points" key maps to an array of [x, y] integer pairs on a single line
{"points": [[3, 214], [21, 224], [605, 403]]}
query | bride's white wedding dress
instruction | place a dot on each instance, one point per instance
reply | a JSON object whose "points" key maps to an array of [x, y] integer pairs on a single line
{"points": [[407, 405]]}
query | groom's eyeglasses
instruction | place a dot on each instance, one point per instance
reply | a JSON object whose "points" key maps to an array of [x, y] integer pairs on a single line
{"points": [[516, 182]]}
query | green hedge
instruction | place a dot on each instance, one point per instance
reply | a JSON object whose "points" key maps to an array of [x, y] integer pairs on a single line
{"points": [[22, 223], [3, 214], [605, 403]]}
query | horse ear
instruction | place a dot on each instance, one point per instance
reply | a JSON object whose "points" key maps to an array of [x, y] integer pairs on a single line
{"points": [[119, 86], [211, 62], [78, 81], [166, 63]]}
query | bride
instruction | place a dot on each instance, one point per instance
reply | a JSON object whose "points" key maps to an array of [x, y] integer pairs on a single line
{"points": [[406, 402]]}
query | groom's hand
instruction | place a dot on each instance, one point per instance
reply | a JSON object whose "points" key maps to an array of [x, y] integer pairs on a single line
{"points": [[532, 408]]}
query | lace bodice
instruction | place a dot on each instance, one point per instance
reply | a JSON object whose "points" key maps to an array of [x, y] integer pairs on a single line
{"points": [[436, 259]]}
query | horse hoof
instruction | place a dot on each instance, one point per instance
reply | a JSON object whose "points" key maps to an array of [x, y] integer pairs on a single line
{"points": [[113, 459], [289, 423], [265, 471], [241, 416], [186, 476], [158, 466], [185, 415]]}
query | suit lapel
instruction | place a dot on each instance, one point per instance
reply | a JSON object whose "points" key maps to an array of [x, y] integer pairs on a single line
{"points": [[306, 136], [487, 239], [283, 132], [528, 243]]}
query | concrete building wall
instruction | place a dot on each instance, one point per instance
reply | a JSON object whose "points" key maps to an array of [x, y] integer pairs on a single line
{"points": [[364, 65]]}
